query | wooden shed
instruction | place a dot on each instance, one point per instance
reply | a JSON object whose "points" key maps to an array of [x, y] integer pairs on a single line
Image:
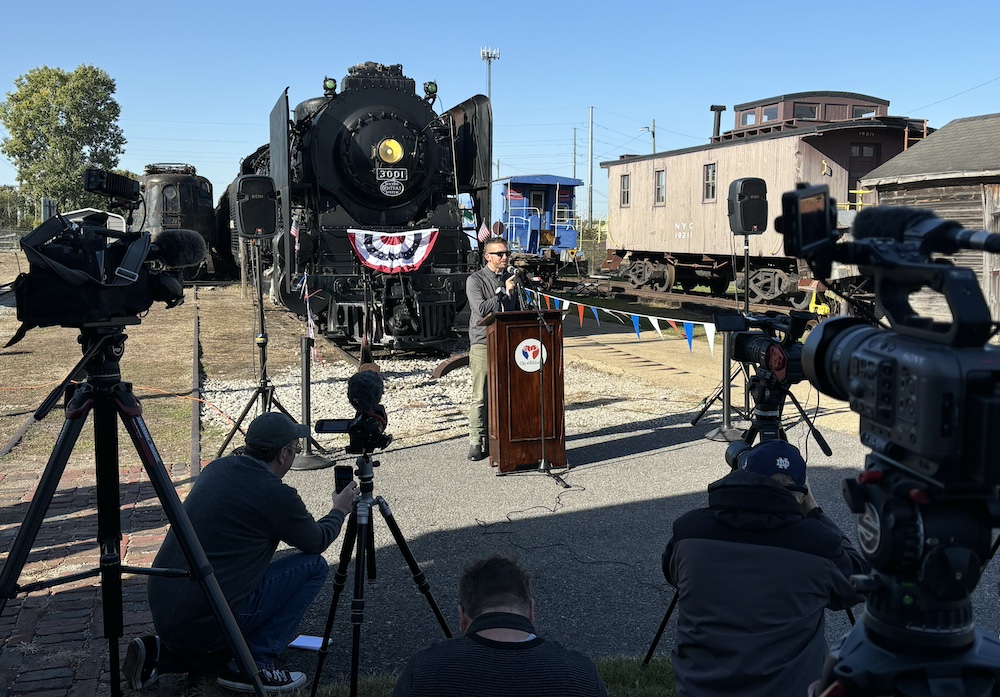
{"points": [[954, 172]]}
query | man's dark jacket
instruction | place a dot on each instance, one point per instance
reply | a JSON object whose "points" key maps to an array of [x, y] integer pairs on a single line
{"points": [[755, 578]]}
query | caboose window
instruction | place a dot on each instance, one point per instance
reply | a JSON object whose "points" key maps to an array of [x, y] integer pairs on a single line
{"points": [[748, 118], [626, 190], [659, 187], [864, 112], [709, 190], [770, 113], [804, 111]]}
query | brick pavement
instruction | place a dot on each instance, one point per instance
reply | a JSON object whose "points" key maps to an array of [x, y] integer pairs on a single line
{"points": [[52, 639]]}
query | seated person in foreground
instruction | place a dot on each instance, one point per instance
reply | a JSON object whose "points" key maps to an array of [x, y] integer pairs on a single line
{"points": [[499, 653], [756, 571]]}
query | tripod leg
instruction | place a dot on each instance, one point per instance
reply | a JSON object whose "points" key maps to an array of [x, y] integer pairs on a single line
{"points": [[239, 421], [109, 531], [339, 580], [418, 574], [659, 632], [201, 570], [41, 500], [364, 514]]}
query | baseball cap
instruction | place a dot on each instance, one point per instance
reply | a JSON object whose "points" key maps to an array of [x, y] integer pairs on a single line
{"points": [[274, 430], [776, 457]]}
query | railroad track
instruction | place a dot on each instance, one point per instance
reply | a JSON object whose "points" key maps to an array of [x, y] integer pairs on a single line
{"points": [[701, 305]]}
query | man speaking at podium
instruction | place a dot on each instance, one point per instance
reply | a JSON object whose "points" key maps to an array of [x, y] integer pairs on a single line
{"points": [[491, 289]]}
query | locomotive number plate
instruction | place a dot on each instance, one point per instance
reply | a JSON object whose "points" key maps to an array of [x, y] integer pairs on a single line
{"points": [[398, 174]]}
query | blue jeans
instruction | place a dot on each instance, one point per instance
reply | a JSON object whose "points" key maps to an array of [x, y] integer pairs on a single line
{"points": [[271, 616]]}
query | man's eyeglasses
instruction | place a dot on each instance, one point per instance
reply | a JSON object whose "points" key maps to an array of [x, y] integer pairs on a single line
{"points": [[499, 254]]}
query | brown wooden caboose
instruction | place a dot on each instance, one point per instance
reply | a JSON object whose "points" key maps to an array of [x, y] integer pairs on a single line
{"points": [[668, 213]]}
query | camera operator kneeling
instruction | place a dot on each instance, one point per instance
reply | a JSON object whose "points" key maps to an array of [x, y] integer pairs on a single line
{"points": [[240, 510], [756, 571]]}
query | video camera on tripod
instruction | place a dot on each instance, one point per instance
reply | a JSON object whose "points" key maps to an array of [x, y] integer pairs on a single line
{"points": [[928, 393], [771, 342], [85, 274], [367, 428]]}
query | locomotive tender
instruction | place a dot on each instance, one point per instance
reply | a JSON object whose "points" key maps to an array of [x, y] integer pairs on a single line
{"points": [[368, 180], [668, 213]]}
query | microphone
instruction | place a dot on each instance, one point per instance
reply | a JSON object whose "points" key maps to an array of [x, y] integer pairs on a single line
{"points": [[364, 391], [913, 224], [174, 248]]}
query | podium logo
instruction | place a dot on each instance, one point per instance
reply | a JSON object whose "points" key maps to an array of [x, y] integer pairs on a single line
{"points": [[529, 355]]}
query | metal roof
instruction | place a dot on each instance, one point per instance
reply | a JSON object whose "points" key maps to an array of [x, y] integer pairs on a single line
{"points": [[963, 148], [546, 179]]}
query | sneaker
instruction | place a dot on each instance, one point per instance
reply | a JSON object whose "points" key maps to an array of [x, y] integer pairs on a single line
{"points": [[274, 680], [141, 659]]}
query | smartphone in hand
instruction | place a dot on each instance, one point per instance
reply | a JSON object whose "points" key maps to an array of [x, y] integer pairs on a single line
{"points": [[342, 476]]}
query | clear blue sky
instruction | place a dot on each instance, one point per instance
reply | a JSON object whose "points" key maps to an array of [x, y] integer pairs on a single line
{"points": [[206, 100]]}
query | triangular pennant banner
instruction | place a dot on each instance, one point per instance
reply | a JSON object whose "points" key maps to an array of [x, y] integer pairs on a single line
{"points": [[635, 325], [710, 334], [656, 325], [548, 304], [594, 309], [689, 333], [580, 311]]}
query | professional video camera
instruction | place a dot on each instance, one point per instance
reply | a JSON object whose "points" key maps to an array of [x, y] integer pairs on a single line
{"points": [[367, 428], [772, 343], [83, 274], [928, 392]]}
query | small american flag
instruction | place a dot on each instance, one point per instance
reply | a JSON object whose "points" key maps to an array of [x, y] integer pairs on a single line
{"points": [[294, 230], [484, 233]]}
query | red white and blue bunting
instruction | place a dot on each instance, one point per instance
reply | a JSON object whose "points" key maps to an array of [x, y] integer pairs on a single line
{"points": [[393, 252], [685, 328]]}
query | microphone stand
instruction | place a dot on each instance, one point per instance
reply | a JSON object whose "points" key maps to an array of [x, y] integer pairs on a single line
{"points": [[543, 465]]}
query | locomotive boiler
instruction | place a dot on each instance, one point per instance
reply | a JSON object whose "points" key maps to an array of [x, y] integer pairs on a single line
{"points": [[371, 242]]}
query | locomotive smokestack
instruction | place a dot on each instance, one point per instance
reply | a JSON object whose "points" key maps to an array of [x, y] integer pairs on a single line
{"points": [[717, 127]]}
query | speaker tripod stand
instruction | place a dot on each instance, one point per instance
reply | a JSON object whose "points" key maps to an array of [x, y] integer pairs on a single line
{"points": [[265, 388], [106, 396], [361, 534]]}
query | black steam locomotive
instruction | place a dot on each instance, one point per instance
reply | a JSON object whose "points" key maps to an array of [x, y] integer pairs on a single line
{"points": [[368, 180]]}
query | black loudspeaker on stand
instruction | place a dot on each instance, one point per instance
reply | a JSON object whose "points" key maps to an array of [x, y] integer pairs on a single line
{"points": [[106, 396], [255, 214]]}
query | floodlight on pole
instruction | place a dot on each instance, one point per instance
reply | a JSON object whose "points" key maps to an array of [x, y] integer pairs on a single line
{"points": [[489, 55]]}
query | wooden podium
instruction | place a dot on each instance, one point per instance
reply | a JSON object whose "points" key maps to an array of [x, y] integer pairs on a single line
{"points": [[521, 400]]}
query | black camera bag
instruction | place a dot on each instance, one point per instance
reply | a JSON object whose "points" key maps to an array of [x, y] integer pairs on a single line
{"points": [[78, 276]]}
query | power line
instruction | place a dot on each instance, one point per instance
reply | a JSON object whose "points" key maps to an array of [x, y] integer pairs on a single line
{"points": [[927, 106]]}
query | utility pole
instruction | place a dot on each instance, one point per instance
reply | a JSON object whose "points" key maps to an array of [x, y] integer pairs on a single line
{"points": [[652, 132], [574, 152], [489, 55], [590, 172]]}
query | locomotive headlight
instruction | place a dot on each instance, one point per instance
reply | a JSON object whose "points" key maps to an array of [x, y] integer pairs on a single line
{"points": [[430, 89], [390, 151]]}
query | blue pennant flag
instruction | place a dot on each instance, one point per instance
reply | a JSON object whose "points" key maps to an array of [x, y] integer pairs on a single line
{"points": [[689, 333], [635, 324]]}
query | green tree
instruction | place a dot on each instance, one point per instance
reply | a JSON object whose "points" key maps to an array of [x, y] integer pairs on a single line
{"points": [[61, 124]]}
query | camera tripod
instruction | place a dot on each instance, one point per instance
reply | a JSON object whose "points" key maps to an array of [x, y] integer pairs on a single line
{"points": [[265, 388], [362, 534], [106, 395]]}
